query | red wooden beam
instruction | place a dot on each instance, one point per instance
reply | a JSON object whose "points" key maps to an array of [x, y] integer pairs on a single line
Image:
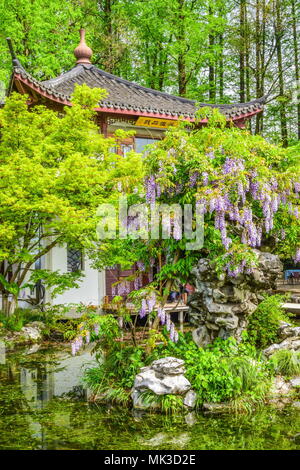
{"points": [[127, 112]]}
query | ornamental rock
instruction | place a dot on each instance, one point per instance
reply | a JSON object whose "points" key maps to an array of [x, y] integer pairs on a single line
{"points": [[163, 377], [221, 305]]}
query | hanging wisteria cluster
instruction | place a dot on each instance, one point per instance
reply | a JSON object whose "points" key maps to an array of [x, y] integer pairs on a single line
{"points": [[124, 287], [148, 306], [84, 336], [228, 194], [269, 196], [165, 319]]}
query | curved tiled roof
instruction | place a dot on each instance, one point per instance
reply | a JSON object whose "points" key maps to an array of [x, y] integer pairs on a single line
{"points": [[128, 96]]}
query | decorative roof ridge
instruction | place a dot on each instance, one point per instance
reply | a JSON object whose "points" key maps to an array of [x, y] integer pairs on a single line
{"points": [[46, 84], [78, 68], [124, 94], [128, 96]]}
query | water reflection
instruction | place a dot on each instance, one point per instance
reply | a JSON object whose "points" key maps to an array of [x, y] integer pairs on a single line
{"points": [[43, 406], [45, 375]]}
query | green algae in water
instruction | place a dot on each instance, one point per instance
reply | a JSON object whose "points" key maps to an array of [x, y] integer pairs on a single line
{"points": [[42, 406]]}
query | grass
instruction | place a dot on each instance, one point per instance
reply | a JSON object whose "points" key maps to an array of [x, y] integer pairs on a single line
{"points": [[286, 362], [168, 404]]}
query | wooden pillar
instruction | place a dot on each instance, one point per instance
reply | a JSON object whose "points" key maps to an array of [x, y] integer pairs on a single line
{"points": [[102, 123], [181, 316]]}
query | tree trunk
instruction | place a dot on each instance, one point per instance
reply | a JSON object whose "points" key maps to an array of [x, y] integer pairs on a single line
{"points": [[211, 68], [221, 68], [296, 61], [181, 62], [247, 61], [242, 51], [109, 33], [258, 67]]}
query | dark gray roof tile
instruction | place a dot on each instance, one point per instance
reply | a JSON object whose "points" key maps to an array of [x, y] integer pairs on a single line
{"points": [[123, 94]]}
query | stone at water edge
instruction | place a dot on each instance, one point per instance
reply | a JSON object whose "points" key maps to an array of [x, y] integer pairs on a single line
{"points": [[292, 344], [164, 376], [168, 366], [32, 331], [149, 379], [295, 382], [190, 399]]}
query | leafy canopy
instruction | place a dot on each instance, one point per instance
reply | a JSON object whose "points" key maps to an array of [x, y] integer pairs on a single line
{"points": [[56, 170]]}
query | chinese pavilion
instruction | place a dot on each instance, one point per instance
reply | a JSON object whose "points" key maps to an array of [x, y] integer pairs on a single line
{"points": [[133, 105], [129, 106]]}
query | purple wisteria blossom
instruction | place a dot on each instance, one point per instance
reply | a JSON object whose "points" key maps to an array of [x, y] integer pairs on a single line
{"points": [[140, 265], [297, 256], [150, 189], [143, 309], [193, 178], [177, 229], [233, 165], [162, 315], [151, 302]]}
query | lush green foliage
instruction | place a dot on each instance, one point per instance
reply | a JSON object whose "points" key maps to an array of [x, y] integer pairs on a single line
{"points": [[224, 371], [211, 51], [168, 404], [119, 363], [55, 170], [113, 379], [286, 362], [264, 322], [19, 319]]}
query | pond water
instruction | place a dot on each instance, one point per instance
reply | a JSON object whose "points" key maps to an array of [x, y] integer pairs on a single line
{"points": [[43, 405]]}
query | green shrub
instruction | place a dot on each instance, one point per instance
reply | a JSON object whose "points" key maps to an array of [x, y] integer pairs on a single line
{"points": [[113, 377], [264, 322], [286, 362], [19, 319], [223, 371], [168, 404]]}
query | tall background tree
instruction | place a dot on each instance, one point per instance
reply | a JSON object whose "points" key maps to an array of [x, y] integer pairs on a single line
{"points": [[55, 172], [211, 51]]}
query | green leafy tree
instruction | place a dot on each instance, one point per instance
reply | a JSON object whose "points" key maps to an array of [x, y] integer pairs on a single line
{"points": [[55, 171], [246, 189]]}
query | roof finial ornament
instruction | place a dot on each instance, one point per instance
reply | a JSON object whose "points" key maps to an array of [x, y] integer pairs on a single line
{"points": [[83, 53]]}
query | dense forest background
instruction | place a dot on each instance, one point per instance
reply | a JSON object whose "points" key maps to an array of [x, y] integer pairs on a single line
{"points": [[214, 51]]}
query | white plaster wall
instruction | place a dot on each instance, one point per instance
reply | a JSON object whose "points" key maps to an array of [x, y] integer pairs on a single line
{"points": [[91, 289]]}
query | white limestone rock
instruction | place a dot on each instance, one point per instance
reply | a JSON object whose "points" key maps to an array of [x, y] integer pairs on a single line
{"points": [[295, 382], [292, 343], [190, 399], [163, 377]]}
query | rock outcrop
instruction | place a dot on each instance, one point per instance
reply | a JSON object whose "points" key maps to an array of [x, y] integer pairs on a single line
{"points": [[220, 306], [291, 339], [163, 377], [29, 334]]}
